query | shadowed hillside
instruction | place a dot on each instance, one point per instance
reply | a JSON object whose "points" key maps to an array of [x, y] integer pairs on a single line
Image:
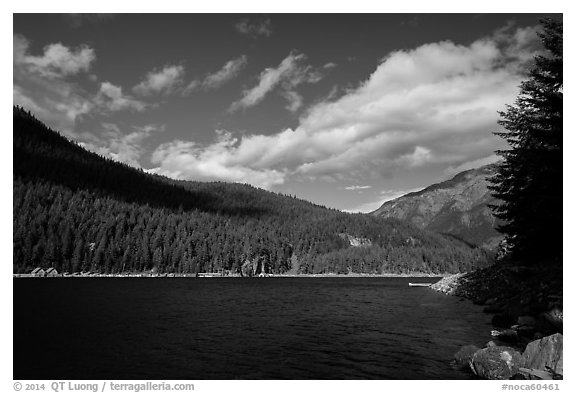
{"points": [[77, 211]]}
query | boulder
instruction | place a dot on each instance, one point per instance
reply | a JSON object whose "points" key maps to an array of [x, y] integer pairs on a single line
{"points": [[450, 284], [545, 354], [496, 362], [531, 373], [463, 357]]}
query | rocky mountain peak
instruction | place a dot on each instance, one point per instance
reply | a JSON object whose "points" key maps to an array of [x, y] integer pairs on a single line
{"points": [[458, 207]]}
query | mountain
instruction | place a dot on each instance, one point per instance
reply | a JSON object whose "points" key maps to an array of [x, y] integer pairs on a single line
{"points": [[79, 212], [458, 207]]}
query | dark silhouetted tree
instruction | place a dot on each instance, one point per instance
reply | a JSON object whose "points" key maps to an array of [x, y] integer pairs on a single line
{"points": [[529, 180]]}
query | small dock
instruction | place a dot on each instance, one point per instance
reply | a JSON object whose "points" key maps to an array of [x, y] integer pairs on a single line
{"points": [[419, 284]]}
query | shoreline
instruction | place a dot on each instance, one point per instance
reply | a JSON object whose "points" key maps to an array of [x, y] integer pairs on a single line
{"points": [[210, 275], [527, 321]]}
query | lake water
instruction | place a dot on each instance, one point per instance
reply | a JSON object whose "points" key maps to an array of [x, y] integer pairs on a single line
{"points": [[234, 328]]}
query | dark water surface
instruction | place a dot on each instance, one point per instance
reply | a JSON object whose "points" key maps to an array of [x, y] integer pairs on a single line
{"points": [[234, 328]]}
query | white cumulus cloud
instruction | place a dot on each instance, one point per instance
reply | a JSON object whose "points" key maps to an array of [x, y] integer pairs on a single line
{"points": [[112, 98], [186, 160], [40, 83], [434, 105], [163, 81], [126, 147], [57, 60]]}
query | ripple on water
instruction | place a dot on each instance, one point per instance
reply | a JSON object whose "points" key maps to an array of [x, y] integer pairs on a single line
{"points": [[277, 328]]}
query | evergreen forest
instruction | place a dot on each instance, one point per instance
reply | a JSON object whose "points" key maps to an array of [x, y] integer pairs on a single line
{"points": [[77, 211]]}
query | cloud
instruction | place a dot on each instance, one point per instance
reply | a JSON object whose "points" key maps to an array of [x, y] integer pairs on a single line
{"points": [[164, 81], [412, 22], [435, 106], [354, 188], [294, 100], [124, 147], [57, 60], [111, 97], [290, 73], [268, 80], [226, 73], [193, 85], [78, 20], [520, 44], [254, 29], [453, 170], [45, 84], [418, 157], [58, 105], [383, 197], [213, 81], [40, 85], [187, 160]]}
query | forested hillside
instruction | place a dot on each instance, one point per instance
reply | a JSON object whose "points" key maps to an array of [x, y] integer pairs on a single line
{"points": [[77, 211]]}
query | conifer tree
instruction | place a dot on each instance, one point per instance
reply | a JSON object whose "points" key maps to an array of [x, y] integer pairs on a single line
{"points": [[529, 180]]}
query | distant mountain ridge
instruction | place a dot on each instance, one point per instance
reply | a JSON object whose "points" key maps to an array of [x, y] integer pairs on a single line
{"points": [[458, 207]]}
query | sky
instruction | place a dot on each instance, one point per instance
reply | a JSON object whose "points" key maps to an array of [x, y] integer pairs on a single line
{"points": [[344, 110]]}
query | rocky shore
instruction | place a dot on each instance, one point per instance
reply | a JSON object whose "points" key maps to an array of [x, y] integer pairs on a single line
{"points": [[527, 304]]}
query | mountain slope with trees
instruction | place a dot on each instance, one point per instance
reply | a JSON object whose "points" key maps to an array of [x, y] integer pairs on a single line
{"points": [[77, 211], [459, 207]]}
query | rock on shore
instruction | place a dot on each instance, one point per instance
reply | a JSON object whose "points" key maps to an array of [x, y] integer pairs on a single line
{"points": [[527, 303], [450, 285], [496, 362], [545, 354], [542, 359]]}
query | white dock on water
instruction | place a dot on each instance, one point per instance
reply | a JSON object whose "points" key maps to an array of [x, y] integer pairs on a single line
{"points": [[419, 284]]}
